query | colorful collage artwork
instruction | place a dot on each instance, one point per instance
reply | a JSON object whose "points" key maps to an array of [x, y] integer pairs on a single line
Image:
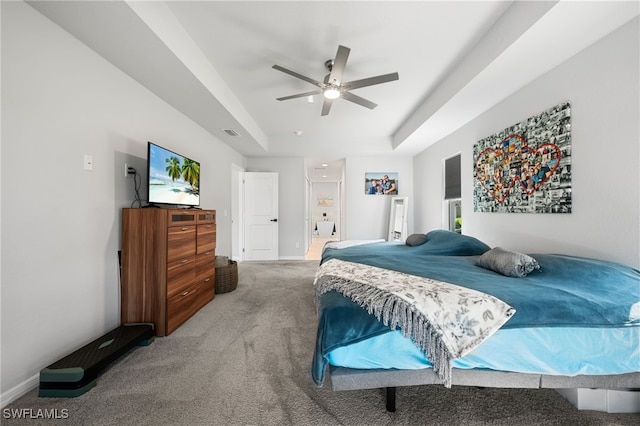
{"points": [[526, 168]]}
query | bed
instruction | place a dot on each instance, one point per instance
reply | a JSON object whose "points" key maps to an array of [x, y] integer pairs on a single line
{"points": [[557, 322]]}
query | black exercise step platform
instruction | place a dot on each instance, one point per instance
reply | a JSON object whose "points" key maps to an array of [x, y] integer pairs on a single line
{"points": [[76, 373]]}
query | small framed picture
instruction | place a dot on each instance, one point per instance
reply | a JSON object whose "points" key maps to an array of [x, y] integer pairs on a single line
{"points": [[325, 200], [381, 183]]}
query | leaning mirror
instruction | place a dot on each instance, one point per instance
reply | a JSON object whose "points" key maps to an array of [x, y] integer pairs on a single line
{"points": [[398, 219]]}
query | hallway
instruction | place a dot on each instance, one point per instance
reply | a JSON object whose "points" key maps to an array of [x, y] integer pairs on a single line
{"points": [[315, 250]]}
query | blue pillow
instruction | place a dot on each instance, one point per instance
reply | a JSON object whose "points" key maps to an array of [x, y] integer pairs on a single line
{"points": [[448, 243]]}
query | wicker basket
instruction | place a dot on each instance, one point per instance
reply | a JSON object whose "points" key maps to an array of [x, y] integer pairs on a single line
{"points": [[227, 277]]}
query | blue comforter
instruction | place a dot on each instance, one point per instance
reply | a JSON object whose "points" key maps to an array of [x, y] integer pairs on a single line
{"points": [[566, 291]]}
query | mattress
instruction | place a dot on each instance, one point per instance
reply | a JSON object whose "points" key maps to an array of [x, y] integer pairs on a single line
{"points": [[554, 351]]}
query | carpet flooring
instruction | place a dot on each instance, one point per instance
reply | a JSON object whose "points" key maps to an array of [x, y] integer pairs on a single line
{"points": [[245, 358]]}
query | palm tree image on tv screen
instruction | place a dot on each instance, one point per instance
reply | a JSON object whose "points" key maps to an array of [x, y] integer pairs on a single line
{"points": [[173, 178]]}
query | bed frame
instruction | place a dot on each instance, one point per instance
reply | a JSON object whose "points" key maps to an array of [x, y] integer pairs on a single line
{"points": [[343, 379]]}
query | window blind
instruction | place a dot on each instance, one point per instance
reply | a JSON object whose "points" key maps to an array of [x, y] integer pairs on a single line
{"points": [[452, 178]]}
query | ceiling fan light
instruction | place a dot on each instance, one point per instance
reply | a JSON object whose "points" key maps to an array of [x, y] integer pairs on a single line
{"points": [[331, 93]]}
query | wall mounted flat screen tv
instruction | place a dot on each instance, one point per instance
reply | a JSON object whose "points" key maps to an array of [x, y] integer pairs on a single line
{"points": [[172, 178]]}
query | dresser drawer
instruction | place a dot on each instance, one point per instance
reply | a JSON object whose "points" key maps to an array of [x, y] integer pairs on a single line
{"points": [[181, 242], [180, 307], [205, 266], [180, 275], [206, 216], [181, 217], [206, 239], [206, 293]]}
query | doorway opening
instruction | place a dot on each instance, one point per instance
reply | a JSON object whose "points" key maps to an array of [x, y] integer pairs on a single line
{"points": [[325, 213]]}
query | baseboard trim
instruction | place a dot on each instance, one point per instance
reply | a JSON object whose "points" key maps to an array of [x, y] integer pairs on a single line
{"points": [[19, 390], [291, 258]]}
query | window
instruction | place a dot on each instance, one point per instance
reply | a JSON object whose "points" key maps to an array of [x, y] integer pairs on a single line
{"points": [[453, 192], [452, 178]]}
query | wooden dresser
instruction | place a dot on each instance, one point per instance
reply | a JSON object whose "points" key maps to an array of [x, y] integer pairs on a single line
{"points": [[168, 265]]}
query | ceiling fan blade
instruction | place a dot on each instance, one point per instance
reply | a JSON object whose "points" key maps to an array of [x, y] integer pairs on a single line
{"points": [[371, 81], [326, 106], [358, 100], [339, 63], [300, 76], [300, 95]]}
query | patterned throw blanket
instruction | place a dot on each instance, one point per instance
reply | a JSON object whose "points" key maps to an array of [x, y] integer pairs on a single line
{"points": [[348, 243], [446, 321]]}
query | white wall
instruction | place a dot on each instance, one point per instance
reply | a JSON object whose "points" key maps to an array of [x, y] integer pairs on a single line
{"points": [[291, 201], [602, 84], [367, 216], [60, 223]]}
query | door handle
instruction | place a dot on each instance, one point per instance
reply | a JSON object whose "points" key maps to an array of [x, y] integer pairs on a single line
{"points": [[274, 220]]}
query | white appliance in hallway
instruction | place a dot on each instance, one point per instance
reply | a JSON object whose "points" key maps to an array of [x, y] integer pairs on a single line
{"points": [[325, 229]]}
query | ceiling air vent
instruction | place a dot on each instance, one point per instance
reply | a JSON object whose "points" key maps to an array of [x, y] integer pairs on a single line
{"points": [[231, 132]]}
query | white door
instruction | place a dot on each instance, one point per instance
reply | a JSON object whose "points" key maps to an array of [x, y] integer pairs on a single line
{"points": [[260, 216], [237, 200]]}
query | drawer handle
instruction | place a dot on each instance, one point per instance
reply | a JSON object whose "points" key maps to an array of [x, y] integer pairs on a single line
{"points": [[185, 260], [184, 228], [207, 280], [186, 293], [208, 226]]}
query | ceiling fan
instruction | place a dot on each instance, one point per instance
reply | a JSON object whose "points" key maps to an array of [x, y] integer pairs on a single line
{"points": [[333, 87]]}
